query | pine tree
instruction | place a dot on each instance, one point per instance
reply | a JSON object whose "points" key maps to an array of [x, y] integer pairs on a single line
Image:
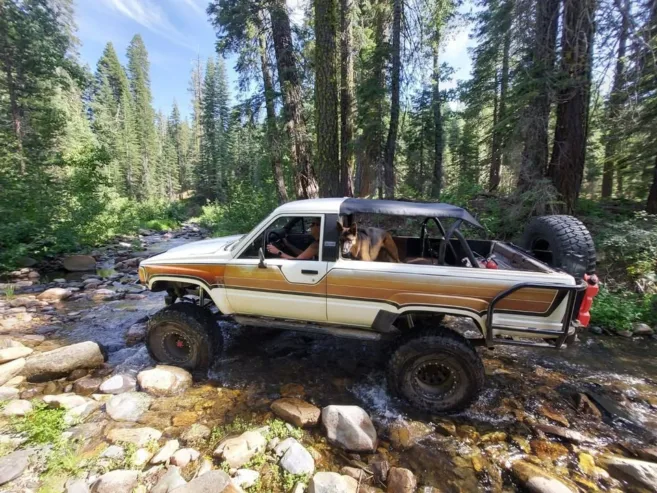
{"points": [[138, 74], [347, 95], [395, 76]]}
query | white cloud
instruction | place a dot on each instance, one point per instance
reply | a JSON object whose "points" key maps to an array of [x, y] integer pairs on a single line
{"points": [[195, 5], [149, 14]]}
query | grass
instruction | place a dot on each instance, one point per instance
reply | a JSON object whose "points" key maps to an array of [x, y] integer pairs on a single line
{"points": [[282, 430], [42, 424], [9, 292]]}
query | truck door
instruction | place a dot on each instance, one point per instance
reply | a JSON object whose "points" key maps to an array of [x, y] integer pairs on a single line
{"points": [[281, 288]]}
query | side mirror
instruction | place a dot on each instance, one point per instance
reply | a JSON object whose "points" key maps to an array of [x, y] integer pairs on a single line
{"points": [[261, 255]]}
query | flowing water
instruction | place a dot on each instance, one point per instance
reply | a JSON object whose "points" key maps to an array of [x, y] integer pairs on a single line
{"points": [[524, 387]]}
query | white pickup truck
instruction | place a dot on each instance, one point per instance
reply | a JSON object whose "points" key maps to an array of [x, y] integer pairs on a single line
{"points": [[290, 272]]}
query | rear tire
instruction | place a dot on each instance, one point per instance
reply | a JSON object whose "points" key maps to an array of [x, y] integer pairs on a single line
{"points": [[436, 370], [562, 242], [184, 335]]}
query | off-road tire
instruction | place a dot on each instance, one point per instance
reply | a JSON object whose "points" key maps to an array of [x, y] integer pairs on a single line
{"points": [[191, 329], [556, 239], [439, 350]]}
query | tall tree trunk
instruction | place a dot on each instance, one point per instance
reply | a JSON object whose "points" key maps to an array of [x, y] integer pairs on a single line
{"points": [[537, 117], [326, 97], [499, 133], [305, 180], [395, 82], [569, 152], [495, 148], [437, 182], [272, 131], [616, 101], [651, 205], [347, 159]]}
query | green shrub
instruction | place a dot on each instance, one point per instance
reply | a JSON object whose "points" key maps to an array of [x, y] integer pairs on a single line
{"points": [[618, 311], [42, 424]]}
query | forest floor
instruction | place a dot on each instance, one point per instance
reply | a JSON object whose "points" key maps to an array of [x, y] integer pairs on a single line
{"points": [[561, 419]]}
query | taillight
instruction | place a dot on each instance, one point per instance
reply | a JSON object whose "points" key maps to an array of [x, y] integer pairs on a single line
{"points": [[592, 288]]}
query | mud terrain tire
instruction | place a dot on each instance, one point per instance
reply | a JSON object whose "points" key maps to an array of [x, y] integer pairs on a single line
{"points": [[436, 370], [562, 242], [185, 335]]}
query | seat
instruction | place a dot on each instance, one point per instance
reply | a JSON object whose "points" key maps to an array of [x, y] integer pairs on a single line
{"points": [[419, 261]]}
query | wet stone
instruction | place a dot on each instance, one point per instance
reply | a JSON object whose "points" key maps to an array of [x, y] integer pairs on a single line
{"points": [[86, 385], [565, 433], [296, 411], [544, 449], [640, 474], [164, 380], [404, 434], [401, 480], [349, 427], [536, 480], [196, 433]]}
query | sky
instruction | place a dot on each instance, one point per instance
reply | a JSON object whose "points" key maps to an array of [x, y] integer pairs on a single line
{"points": [[176, 32]]}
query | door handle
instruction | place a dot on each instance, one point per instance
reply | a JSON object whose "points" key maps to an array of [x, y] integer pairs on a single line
{"points": [[310, 272]]}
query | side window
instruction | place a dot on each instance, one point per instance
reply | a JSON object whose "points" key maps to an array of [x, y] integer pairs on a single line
{"points": [[252, 251], [292, 235]]}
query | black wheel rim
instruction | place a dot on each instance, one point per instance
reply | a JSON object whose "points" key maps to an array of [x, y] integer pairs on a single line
{"points": [[176, 345], [542, 251], [434, 377]]}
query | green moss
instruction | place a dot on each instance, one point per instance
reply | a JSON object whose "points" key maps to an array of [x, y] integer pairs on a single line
{"points": [[282, 430]]}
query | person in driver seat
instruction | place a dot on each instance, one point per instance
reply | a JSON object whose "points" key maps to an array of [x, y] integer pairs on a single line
{"points": [[310, 253]]}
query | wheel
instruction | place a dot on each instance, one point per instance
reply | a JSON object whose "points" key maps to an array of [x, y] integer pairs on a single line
{"points": [[185, 335], [436, 370], [562, 242]]}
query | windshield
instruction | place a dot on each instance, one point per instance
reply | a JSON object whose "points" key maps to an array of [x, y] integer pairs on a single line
{"points": [[240, 242]]}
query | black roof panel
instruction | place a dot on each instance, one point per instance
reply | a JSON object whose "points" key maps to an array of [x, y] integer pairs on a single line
{"points": [[401, 208]]}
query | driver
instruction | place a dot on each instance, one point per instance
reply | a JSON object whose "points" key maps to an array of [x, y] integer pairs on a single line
{"points": [[308, 254]]}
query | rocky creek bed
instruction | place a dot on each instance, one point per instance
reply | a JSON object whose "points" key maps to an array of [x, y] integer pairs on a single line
{"points": [[84, 408]]}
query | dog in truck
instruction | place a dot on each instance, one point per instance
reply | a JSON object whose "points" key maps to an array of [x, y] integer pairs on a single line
{"points": [[368, 244]]}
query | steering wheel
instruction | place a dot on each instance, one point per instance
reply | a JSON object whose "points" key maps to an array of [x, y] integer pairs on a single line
{"points": [[275, 236]]}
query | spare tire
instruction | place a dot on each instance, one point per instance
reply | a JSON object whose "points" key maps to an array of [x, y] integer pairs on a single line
{"points": [[562, 242]]}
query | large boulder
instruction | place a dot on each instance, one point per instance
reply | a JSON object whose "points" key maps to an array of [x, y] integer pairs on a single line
{"points": [[349, 427], [164, 380], [299, 413], [128, 406], [332, 482], [13, 465], [536, 480], [637, 473], [297, 460], [62, 361], [11, 369], [239, 450], [118, 384], [79, 263], [119, 481], [55, 294], [137, 436]]}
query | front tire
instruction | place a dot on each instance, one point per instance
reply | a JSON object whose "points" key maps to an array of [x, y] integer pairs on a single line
{"points": [[184, 335], [436, 370]]}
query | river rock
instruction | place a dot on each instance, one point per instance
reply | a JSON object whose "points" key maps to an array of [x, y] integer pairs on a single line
{"points": [[297, 460], [16, 352], [637, 473], [401, 480], [349, 427], [55, 294], [184, 456], [165, 453], [137, 436], [332, 482], [66, 401], [13, 465], [210, 482], [119, 481], [17, 408], [86, 385], [196, 433], [641, 329], [118, 384], [78, 413], [565, 433], [113, 452], [62, 361], [11, 369], [239, 450], [142, 457], [136, 333], [79, 263], [128, 406], [245, 478], [536, 480], [205, 467], [296, 411], [8, 393], [170, 481], [164, 380], [405, 434], [76, 486]]}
